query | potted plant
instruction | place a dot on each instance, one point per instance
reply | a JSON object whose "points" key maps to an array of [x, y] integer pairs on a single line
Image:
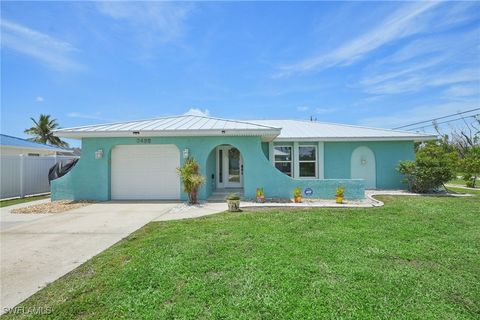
{"points": [[297, 195], [189, 172], [260, 195], [339, 193], [233, 201]]}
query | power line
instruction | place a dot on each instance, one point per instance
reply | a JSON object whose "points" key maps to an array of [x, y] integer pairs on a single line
{"points": [[443, 122], [434, 119]]}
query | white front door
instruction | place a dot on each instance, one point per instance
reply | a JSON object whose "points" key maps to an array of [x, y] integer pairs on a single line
{"points": [[229, 167]]}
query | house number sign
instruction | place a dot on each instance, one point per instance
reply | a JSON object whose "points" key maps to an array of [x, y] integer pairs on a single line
{"points": [[308, 191], [144, 140]]}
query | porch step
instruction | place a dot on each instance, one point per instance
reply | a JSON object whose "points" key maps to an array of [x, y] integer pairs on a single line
{"points": [[219, 195]]}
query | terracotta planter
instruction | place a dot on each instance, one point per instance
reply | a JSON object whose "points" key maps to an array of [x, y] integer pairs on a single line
{"points": [[297, 199], [260, 199], [338, 199], [233, 205]]}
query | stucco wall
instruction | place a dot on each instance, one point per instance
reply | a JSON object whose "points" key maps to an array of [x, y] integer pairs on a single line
{"points": [[210, 174], [387, 155], [90, 179]]}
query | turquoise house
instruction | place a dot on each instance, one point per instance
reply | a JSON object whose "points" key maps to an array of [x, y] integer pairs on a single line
{"points": [[137, 160]]}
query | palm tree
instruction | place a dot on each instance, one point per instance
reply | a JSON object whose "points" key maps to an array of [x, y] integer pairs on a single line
{"points": [[42, 130]]}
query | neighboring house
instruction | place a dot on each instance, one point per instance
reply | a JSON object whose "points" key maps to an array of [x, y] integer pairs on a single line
{"points": [[138, 159], [17, 146]]}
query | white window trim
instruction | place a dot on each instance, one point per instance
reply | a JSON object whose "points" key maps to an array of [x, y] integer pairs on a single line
{"points": [[321, 160], [308, 161], [275, 161]]}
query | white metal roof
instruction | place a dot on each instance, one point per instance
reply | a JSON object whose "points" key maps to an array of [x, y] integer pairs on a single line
{"points": [[312, 130], [185, 125], [278, 130]]}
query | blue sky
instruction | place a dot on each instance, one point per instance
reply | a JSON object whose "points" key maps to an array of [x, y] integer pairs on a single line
{"points": [[373, 63]]}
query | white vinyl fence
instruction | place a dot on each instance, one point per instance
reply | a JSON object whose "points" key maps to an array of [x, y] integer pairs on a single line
{"points": [[22, 175]]}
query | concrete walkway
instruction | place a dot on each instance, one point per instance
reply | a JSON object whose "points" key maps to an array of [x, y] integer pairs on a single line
{"points": [[37, 249]]}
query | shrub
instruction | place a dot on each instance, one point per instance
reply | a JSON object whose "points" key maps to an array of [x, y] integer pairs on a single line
{"points": [[260, 193], [470, 165], [433, 167], [340, 191], [297, 192], [233, 196], [191, 179]]}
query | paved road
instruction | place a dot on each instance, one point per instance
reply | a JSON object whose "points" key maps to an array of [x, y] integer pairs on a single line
{"points": [[38, 249]]}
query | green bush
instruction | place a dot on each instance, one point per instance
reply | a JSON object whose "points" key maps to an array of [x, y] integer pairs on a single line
{"points": [[433, 167], [470, 165], [191, 179]]}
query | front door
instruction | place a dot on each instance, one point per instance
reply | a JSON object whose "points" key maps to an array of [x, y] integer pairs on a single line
{"points": [[229, 167]]}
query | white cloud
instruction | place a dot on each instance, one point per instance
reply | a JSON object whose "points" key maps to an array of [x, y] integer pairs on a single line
{"points": [[426, 62], [94, 116], [43, 47], [198, 112], [414, 68], [302, 109], [410, 19], [418, 113], [157, 20], [324, 110], [417, 81], [463, 90], [437, 45], [39, 99]]}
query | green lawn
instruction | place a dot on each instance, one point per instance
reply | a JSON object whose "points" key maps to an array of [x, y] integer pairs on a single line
{"points": [[5, 203], [463, 190], [462, 182], [414, 258]]}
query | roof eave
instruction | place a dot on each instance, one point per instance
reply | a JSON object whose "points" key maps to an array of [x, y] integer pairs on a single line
{"points": [[36, 148], [267, 133], [344, 139]]}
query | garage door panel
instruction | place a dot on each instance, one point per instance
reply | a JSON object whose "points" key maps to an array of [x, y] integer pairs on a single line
{"points": [[145, 172]]}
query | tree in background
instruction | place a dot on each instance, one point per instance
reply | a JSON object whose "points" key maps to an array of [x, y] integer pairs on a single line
{"points": [[434, 166], [470, 166], [467, 137], [43, 131], [465, 141]]}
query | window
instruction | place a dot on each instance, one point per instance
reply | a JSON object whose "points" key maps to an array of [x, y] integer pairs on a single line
{"points": [[307, 161], [283, 159]]}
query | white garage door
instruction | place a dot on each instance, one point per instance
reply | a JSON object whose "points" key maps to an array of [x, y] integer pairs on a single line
{"points": [[145, 172]]}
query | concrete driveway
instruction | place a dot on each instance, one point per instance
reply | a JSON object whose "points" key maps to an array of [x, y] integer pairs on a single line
{"points": [[37, 249]]}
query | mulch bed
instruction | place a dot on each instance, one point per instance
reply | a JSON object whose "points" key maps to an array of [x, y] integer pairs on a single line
{"points": [[53, 207]]}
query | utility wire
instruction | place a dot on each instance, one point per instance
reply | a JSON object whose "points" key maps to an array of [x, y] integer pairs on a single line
{"points": [[443, 122], [451, 115]]}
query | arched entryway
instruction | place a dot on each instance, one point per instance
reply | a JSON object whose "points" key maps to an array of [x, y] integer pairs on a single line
{"points": [[363, 166]]}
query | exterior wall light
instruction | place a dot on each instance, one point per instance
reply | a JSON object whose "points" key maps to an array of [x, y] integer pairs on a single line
{"points": [[99, 154], [185, 153]]}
